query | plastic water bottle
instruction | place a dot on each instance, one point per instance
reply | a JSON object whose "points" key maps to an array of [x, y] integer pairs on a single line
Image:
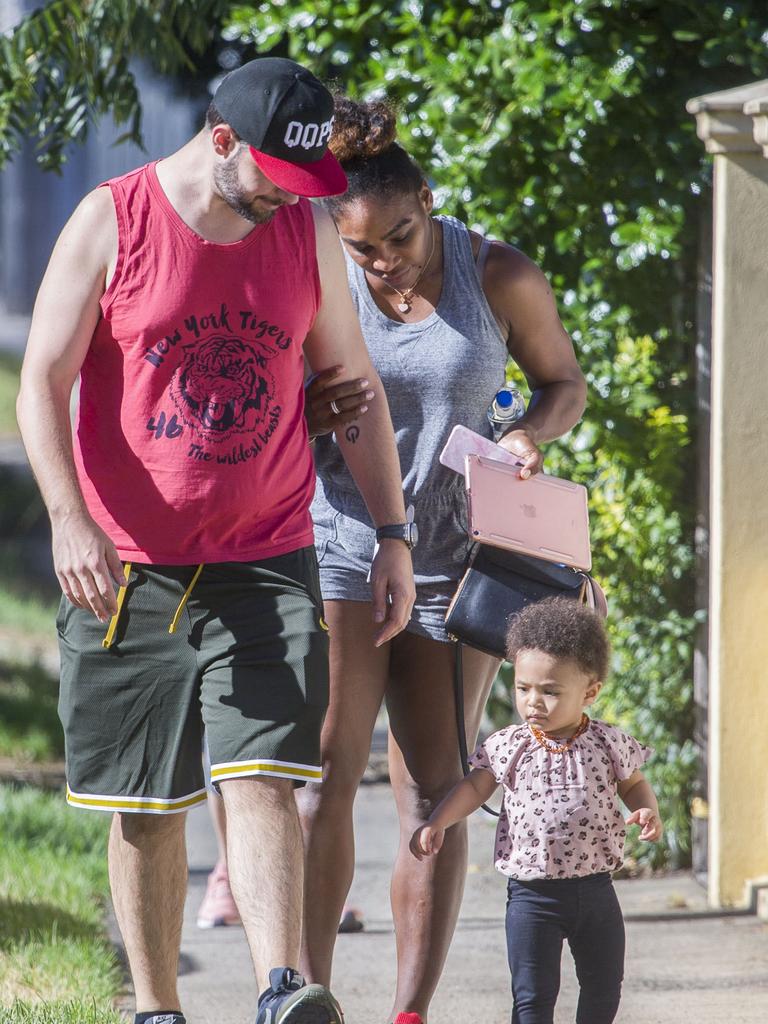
{"points": [[507, 406]]}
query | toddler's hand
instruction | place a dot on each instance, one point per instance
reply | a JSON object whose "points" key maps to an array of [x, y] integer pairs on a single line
{"points": [[426, 841], [650, 822]]}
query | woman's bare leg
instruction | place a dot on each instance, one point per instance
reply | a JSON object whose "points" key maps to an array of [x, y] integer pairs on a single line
{"points": [[358, 679], [423, 765]]}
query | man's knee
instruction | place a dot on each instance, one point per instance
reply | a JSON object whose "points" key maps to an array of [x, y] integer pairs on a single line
{"points": [[255, 791], [135, 828]]}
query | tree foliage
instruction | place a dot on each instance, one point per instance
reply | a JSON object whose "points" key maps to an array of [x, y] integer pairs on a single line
{"points": [[560, 126], [67, 64]]}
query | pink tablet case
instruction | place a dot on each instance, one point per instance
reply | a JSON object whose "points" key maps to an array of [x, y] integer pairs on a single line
{"points": [[543, 516]]}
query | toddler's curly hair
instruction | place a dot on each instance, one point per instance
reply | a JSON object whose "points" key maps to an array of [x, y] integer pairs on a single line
{"points": [[563, 628]]}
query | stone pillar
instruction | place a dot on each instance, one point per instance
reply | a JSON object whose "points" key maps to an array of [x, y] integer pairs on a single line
{"points": [[738, 585]]}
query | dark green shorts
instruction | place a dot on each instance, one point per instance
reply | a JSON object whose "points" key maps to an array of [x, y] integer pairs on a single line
{"points": [[248, 662]]}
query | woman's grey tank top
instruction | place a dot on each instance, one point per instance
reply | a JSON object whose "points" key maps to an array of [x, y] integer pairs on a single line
{"points": [[438, 372]]}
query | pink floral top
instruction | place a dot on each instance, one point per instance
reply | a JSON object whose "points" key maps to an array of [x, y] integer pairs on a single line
{"points": [[561, 816]]}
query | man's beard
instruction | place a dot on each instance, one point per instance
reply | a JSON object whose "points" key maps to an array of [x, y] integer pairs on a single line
{"points": [[227, 182]]}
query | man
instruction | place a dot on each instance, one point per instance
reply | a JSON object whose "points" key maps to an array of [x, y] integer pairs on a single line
{"points": [[182, 294]]}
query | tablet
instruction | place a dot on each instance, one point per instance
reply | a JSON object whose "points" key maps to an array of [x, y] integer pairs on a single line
{"points": [[543, 516]]}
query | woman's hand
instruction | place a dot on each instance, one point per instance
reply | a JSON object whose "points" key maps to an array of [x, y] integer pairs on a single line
{"points": [[519, 442], [350, 398]]}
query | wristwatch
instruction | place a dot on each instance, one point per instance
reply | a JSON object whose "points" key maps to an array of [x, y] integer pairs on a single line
{"points": [[407, 532]]}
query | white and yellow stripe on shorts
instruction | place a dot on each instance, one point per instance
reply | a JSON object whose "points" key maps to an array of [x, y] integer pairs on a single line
{"points": [[264, 766], [136, 804]]}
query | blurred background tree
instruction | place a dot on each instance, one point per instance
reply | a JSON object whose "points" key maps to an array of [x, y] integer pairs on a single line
{"points": [[559, 126]]}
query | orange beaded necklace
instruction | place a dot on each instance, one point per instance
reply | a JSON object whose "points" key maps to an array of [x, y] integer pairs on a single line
{"points": [[554, 748]]}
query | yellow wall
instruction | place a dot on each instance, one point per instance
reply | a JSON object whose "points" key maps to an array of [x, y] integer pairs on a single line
{"points": [[738, 713]]}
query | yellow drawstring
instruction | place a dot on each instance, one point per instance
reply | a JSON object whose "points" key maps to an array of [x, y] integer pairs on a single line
{"points": [[109, 638], [185, 598]]}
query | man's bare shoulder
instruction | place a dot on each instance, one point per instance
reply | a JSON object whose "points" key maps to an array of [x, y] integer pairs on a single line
{"points": [[95, 214], [325, 232], [93, 225], [85, 251]]}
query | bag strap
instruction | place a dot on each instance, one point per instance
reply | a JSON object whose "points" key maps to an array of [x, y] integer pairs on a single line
{"points": [[458, 693]]}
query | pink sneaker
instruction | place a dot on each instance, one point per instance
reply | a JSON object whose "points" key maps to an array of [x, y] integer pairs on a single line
{"points": [[218, 908], [408, 1018]]}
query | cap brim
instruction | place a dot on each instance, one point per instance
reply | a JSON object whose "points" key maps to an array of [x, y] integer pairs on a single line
{"points": [[323, 177]]}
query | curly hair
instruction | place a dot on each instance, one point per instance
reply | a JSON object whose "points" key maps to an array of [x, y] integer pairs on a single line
{"points": [[562, 628], [364, 141]]}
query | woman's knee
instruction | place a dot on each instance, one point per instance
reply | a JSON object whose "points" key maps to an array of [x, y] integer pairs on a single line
{"points": [[418, 797], [341, 777]]}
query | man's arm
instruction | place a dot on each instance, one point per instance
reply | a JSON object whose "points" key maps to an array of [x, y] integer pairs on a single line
{"points": [[368, 444], [65, 316]]}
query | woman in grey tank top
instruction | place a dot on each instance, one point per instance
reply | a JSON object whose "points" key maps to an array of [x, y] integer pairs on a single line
{"points": [[441, 312]]}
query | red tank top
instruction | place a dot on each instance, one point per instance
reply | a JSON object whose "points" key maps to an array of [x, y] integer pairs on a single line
{"points": [[191, 444]]}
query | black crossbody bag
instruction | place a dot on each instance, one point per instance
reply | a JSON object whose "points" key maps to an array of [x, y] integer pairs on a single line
{"points": [[497, 583]]}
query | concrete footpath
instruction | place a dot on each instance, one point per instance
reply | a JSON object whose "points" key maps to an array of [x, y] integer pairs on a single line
{"points": [[683, 963]]}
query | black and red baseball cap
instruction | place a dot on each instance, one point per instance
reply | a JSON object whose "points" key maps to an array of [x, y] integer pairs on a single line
{"points": [[284, 114]]}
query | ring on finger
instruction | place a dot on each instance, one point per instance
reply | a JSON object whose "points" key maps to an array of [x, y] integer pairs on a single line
{"points": [[335, 408]]}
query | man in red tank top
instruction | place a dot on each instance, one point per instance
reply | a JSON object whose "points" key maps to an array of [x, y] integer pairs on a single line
{"points": [[187, 295]]}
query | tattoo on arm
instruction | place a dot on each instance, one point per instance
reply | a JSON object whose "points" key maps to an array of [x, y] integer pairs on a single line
{"points": [[352, 433]]}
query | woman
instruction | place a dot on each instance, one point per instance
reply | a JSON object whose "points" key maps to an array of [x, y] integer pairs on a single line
{"points": [[441, 311]]}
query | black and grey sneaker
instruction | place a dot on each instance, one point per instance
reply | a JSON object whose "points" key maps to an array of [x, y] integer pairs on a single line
{"points": [[289, 1000], [160, 1018]]}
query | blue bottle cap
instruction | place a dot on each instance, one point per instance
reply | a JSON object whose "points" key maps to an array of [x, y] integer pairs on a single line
{"points": [[504, 399]]}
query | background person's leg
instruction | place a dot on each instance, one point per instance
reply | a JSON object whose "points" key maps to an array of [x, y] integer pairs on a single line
{"points": [[358, 678], [424, 764], [148, 876], [266, 868], [218, 907]]}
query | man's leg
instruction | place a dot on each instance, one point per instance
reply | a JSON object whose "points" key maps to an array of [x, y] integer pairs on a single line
{"points": [[266, 868], [148, 875]]}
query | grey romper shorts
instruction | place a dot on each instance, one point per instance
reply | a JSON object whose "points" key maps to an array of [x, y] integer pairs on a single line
{"points": [[345, 542]]}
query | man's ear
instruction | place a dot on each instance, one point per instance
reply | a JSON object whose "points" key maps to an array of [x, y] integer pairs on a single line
{"points": [[224, 140], [595, 686], [426, 197]]}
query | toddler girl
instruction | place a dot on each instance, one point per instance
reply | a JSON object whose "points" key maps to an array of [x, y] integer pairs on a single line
{"points": [[561, 831]]}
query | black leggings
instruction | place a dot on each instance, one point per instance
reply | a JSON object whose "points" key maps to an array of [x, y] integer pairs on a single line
{"points": [[586, 912]]}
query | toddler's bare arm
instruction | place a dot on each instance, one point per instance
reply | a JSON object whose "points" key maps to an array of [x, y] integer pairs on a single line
{"points": [[465, 797], [637, 793]]}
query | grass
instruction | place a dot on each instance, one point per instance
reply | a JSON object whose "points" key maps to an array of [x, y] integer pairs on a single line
{"points": [[66, 1012], [30, 730], [10, 366], [56, 963]]}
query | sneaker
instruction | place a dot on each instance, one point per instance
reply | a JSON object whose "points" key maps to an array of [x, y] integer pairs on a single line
{"points": [[218, 908], [289, 1000], [408, 1018], [166, 1018]]}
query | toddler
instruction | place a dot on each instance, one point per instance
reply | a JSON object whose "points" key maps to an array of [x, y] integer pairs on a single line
{"points": [[561, 831]]}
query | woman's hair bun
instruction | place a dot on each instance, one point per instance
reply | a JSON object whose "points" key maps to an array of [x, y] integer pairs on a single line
{"points": [[361, 130]]}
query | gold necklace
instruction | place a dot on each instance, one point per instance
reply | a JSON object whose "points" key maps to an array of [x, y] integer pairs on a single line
{"points": [[558, 748], [406, 297]]}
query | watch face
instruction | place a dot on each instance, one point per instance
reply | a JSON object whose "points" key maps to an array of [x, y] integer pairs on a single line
{"points": [[413, 539]]}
